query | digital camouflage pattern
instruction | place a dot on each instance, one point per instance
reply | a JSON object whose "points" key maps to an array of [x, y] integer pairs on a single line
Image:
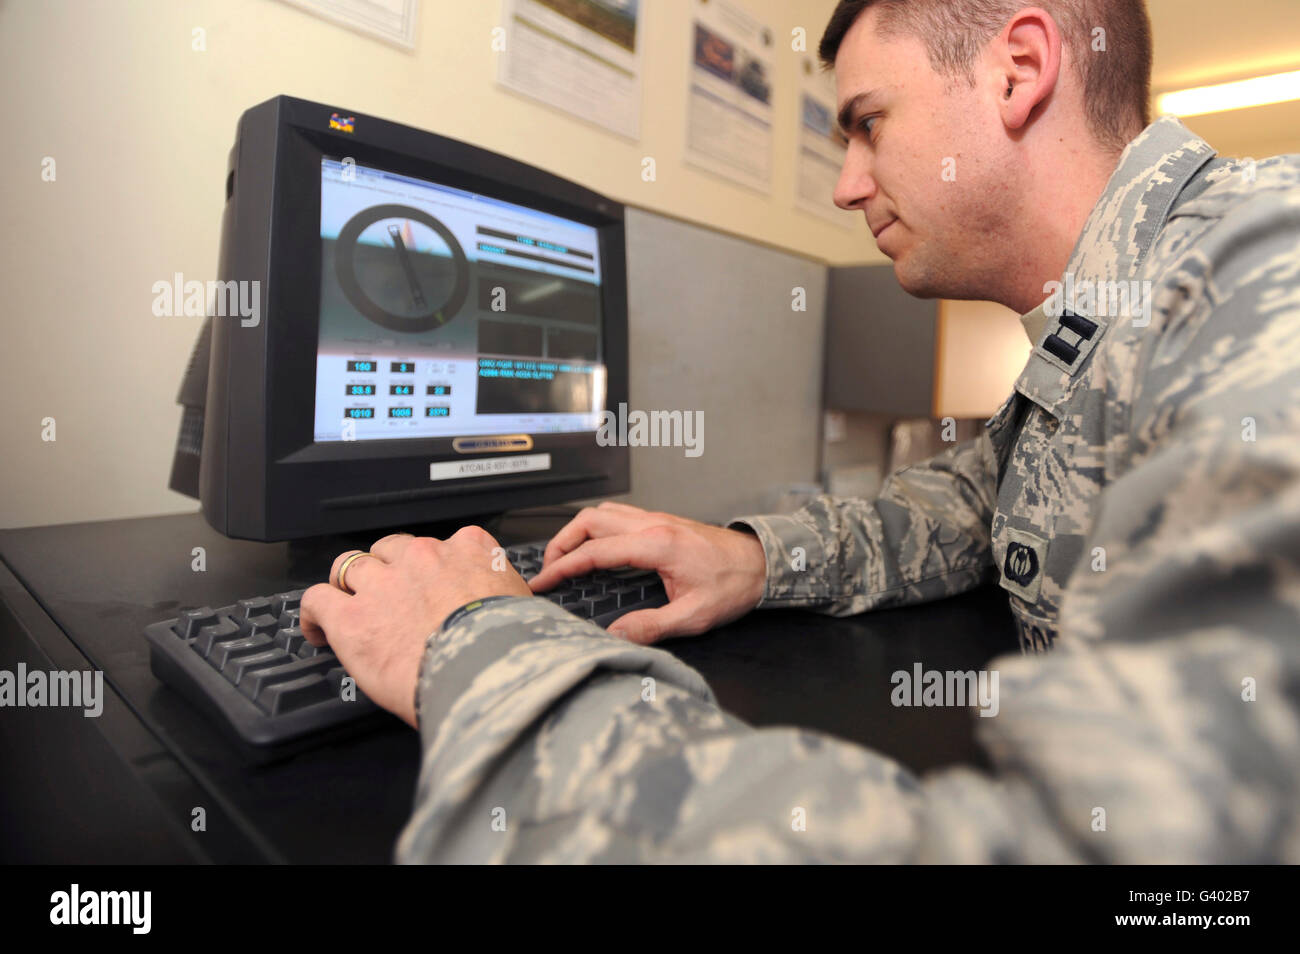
{"points": [[1138, 496]]}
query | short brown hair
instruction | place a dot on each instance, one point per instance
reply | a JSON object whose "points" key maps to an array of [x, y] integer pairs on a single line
{"points": [[1116, 85]]}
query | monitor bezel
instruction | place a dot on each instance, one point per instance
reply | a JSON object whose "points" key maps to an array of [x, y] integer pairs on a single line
{"points": [[303, 476]]}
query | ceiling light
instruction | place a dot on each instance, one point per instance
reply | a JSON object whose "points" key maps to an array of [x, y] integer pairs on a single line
{"points": [[1259, 91]]}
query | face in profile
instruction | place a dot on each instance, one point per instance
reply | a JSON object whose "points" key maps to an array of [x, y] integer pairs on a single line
{"points": [[928, 163]]}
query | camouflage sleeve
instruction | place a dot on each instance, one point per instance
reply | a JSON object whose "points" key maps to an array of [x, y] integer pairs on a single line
{"points": [[926, 536], [548, 740]]}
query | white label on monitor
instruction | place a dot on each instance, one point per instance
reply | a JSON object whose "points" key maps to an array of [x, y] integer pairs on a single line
{"points": [[489, 466]]}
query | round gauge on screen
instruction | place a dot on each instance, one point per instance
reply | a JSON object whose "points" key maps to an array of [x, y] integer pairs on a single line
{"points": [[401, 268]]}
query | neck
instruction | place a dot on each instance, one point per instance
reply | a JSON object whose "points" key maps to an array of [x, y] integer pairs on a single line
{"points": [[1065, 189]]}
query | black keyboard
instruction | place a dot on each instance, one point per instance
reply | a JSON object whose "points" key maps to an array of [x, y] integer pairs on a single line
{"points": [[248, 666]]}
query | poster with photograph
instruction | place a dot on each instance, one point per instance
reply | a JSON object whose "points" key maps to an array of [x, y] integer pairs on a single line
{"points": [[390, 20], [580, 56], [729, 105], [820, 147]]}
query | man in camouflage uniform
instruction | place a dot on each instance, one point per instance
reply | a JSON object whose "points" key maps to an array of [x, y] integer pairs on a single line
{"points": [[1137, 496]]}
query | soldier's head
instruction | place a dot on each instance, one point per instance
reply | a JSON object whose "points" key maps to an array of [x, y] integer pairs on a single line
{"points": [[976, 125]]}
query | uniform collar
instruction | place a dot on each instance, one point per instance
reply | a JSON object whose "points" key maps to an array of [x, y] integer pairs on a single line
{"points": [[1132, 210], [1135, 204], [1034, 322]]}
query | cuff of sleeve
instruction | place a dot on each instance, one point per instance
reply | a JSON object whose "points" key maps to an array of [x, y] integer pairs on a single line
{"points": [[450, 621], [475, 636], [798, 573], [452, 671]]}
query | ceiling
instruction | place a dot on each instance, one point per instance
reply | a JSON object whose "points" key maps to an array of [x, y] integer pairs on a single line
{"points": [[1199, 42]]}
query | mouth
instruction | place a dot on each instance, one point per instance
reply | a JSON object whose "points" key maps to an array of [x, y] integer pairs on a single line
{"points": [[875, 233]]}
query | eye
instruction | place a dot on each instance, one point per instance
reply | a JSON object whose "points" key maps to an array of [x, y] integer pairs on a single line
{"points": [[864, 124]]}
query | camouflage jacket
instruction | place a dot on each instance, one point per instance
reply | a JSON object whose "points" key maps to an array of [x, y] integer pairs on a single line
{"points": [[1138, 496]]}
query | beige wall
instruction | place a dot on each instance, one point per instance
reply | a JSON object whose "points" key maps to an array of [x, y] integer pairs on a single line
{"points": [[980, 349], [139, 126]]}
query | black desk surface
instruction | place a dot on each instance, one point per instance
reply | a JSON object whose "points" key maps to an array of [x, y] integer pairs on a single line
{"points": [[124, 787]]}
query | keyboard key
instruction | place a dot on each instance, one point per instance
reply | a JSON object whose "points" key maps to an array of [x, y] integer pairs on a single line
{"points": [[253, 607], [290, 640], [222, 653], [308, 651], [189, 624], [599, 604], [224, 629], [288, 696], [260, 680], [262, 623], [626, 595], [238, 666], [285, 601], [288, 618]]}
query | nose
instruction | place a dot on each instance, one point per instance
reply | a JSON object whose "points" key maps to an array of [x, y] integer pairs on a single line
{"points": [[856, 184]]}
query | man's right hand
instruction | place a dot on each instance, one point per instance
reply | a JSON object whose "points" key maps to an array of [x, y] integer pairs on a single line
{"points": [[712, 575]]}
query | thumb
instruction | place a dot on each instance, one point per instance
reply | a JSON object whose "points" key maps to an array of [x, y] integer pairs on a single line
{"points": [[651, 625]]}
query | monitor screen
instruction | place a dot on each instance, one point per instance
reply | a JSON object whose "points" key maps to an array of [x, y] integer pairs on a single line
{"points": [[448, 313]]}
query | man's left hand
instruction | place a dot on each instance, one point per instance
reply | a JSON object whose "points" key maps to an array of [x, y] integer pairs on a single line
{"points": [[402, 591]]}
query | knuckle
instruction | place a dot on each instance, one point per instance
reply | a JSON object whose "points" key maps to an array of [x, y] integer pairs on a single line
{"points": [[475, 534], [663, 533], [424, 546]]}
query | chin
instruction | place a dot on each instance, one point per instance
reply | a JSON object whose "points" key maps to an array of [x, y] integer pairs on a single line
{"points": [[916, 279], [908, 280]]}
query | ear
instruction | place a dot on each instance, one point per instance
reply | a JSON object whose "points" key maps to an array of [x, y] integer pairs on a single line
{"points": [[1025, 64]]}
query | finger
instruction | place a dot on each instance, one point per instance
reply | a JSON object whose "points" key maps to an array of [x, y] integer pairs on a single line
{"points": [[365, 567], [390, 548], [590, 523], [318, 613], [615, 505], [648, 551], [338, 562], [678, 618]]}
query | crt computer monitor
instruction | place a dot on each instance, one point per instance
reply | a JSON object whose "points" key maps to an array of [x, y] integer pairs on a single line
{"points": [[418, 330]]}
